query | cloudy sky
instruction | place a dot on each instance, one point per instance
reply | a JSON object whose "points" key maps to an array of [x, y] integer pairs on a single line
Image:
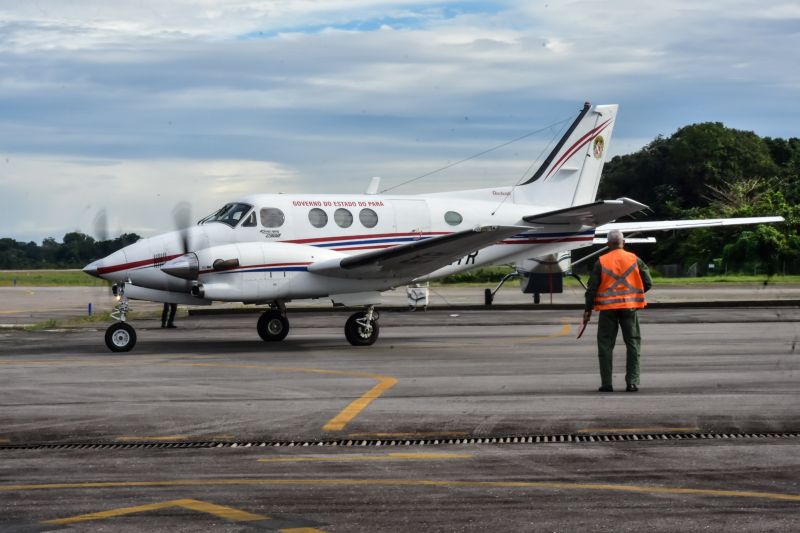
{"points": [[136, 106]]}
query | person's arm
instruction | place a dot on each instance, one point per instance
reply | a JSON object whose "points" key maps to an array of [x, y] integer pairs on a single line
{"points": [[647, 280], [591, 291]]}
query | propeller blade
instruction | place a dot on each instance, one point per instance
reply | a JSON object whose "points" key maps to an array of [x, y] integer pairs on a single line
{"points": [[101, 225], [182, 216]]}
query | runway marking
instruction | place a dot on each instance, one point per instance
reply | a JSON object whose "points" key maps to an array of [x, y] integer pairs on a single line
{"points": [[551, 485], [220, 511], [637, 430], [352, 458], [565, 330], [340, 421], [411, 435], [337, 423]]}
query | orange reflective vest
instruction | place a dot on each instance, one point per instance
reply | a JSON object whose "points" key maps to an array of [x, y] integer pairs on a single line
{"points": [[621, 284]]}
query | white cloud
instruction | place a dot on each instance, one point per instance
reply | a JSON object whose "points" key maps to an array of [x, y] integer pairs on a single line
{"points": [[48, 196], [323, 95]]}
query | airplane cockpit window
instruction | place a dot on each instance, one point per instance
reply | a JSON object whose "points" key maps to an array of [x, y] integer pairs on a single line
{"points": [[318, 218], [250, 221], [230, 214], [272, 217]]}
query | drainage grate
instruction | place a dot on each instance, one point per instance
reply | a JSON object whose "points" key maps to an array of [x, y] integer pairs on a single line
{"points": [[352, 443]]}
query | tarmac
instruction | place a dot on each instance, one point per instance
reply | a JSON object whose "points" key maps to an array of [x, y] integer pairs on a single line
{"points": [[455, 420]]}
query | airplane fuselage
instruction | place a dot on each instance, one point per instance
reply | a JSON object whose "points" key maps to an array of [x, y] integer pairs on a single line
{"points": [[278, 236]]}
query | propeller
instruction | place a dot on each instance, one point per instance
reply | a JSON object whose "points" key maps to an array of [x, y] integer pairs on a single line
{"points": [[101, 225], [182, 217], [186, 265]]}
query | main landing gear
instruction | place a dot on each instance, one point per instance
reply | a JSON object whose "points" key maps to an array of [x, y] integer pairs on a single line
{"points": [[361, 328], [273, 326], [120, 336]]}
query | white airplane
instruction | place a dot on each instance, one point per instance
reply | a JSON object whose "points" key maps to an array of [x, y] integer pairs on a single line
{"points": [[273, 248]]}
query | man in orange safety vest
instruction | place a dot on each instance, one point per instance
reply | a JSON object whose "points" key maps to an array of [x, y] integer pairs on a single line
{"points": [[616, 288]]}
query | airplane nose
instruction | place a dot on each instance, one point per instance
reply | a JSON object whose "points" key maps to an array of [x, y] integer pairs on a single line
{"points": [[92, 268]]}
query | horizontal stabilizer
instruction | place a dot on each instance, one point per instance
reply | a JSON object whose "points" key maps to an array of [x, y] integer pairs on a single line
{"points": [[594, 214], [415, 259], [665, 225]]}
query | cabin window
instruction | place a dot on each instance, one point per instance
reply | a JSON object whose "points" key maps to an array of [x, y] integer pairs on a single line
{"points": [[272, 217], [318, 218], [343, 218], [368, 218], [453, 218], [250, 221]]}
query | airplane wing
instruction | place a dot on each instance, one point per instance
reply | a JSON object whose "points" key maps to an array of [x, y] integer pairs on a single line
{"points": [[594, 214], [664, 225], [414, 259]]}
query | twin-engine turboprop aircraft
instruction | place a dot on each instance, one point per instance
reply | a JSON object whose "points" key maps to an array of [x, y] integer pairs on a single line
{"points": [[273, 248]]}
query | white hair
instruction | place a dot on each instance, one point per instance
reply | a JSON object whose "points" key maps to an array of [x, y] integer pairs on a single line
{"points": [[616, 237]]}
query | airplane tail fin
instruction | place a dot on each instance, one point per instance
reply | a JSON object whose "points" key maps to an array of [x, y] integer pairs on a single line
{"points": [[570, 174]]}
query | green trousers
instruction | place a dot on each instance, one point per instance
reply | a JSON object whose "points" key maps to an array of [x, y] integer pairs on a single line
{"points": [[608, 324]]}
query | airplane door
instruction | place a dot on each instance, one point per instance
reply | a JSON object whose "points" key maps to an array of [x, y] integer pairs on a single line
{"points": [[411, 216]]}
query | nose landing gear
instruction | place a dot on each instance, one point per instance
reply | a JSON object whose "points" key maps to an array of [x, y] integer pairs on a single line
{"points": [[120, 336]]}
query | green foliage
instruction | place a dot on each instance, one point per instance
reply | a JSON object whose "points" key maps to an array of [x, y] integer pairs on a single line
{"points": [[75, 251], [48, 278], [710, 171]]}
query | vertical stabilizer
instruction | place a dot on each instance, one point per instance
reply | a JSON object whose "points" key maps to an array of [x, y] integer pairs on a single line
{"points": [[571, 172]]}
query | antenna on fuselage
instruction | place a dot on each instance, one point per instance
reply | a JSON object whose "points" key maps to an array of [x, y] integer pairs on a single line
{"points": [[479, 154], [374, 185]]}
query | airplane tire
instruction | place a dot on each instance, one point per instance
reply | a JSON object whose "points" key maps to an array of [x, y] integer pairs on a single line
{"points": [[273, 326], [358, 335], [120, 337]]}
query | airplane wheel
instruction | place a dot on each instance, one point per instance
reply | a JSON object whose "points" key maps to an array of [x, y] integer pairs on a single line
{"points": [[359, 335], [120, 337], [273, 326]]}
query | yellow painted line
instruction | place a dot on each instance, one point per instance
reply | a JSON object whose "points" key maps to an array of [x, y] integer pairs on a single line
{"points": [[410, 435], [5, 441], [164, 438], [341, 420], [637, 430], [642, 489], [221, 511], [349, 458], [563, 332], [337, 423]]}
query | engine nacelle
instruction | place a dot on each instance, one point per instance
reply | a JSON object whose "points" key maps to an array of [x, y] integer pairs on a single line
{"points": [[247, 272]]}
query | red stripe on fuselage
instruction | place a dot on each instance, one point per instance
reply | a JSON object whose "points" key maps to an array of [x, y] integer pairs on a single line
{"points": [[136, 264]]}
